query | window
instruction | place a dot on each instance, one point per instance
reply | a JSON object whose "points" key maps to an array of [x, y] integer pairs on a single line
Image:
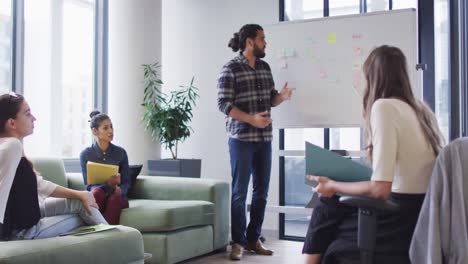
{"points": [[343, 7], [296, 193], [295, 10], [296, 137], [401, 4], [377, 5], [345, 138], [59, 74], [5, 46], [441, 58]]}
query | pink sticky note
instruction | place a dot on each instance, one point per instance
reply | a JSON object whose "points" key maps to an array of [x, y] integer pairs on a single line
{"points": [[322, 74], [357, 51], [356, 36]]}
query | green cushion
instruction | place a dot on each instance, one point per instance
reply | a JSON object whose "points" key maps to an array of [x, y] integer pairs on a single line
{"points": [[51, 169], [75, 181], [162, 215], [178, 188], [121, 245], [175, 246]]}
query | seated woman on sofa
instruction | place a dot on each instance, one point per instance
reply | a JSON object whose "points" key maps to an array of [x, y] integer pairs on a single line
{"points": [[403, 140], [25, 213], [112, 195]]}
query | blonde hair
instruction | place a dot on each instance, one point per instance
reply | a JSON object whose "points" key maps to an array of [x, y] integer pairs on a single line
{"points": [[386, 76]]}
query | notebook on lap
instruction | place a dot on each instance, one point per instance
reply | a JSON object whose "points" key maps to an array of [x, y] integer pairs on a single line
{"points": [[98, 173], [323, 162]]}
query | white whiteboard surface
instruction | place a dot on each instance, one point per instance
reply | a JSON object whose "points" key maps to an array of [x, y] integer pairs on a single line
{"points": [[323, 58]]}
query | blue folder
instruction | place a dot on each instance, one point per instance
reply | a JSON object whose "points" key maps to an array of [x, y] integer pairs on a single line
{"points": [[323, 162]]}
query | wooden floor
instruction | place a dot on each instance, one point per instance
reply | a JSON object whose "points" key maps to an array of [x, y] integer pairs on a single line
{"points": [[285, 252]]}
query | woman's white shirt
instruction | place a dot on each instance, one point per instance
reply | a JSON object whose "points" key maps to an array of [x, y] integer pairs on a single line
{"points": [[11, 151], [401, 153]]}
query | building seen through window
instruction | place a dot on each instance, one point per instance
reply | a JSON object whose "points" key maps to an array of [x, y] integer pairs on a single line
{"points": [[5, 46], [59, 74]]}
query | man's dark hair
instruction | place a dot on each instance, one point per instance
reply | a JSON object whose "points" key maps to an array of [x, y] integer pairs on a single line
{"points": [[237, 42]]}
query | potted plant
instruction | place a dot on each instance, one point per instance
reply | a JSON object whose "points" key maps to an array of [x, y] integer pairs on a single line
{"points": [[167, 118]]}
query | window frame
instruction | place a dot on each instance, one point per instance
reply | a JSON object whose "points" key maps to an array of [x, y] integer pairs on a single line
{"points": [[464, 66], [101, 38], [100, 89]]}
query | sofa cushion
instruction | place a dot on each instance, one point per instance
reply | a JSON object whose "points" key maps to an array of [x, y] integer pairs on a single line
{"points": [[75, 181], [120, 245], [51, 169], [179, 245], [164, 215]]}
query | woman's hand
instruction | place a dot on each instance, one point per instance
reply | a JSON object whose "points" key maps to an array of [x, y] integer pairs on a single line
{"points": [[114, 181], [87, 199], [324, 187]]}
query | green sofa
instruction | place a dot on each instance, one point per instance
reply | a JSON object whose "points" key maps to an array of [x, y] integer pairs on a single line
{"points": [[179, 218], [120, 245]]}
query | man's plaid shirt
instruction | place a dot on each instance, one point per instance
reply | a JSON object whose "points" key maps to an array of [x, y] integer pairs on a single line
{"points": [[250, 90]]}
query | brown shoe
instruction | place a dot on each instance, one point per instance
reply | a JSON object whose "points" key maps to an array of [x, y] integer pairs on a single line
{"points": [[236, 252], [258, 248]]}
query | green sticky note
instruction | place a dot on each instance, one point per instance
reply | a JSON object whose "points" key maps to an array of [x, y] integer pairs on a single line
{"points": [[332, 38], [309, 52]]}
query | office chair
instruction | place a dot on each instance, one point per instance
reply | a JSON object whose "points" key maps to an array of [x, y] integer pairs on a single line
{"points": [[368, 212], [446, 183]]}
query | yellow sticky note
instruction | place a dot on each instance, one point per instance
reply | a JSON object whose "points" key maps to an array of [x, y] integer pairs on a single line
{"points": [[332, 38]]}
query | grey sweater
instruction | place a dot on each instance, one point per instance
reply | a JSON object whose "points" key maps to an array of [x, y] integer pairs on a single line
{"points": [[441, 234]]}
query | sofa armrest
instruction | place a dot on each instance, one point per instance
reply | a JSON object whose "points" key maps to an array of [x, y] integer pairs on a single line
{"points": [[177, 188]]}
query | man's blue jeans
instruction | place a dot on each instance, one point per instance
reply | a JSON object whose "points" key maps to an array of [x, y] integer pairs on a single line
{"points": [[248, 158]]}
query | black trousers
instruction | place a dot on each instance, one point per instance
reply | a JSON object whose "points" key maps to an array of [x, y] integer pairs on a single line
{"points": [[333, 227]]}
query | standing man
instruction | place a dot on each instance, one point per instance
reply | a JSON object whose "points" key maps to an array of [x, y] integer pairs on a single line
{"points": [[246, 94]]}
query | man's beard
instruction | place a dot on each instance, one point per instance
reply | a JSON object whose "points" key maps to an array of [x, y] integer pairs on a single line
{"points": [[258, 52]]}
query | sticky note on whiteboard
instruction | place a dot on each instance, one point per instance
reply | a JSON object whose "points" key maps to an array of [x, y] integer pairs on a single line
{"points": [[331, 38], [280, 53], [356, 36], [290, 52], [309, 52], [357, 65], [322, 74], [357, 51], [283, 64]]}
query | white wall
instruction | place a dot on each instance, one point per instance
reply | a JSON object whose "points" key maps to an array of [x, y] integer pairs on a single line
{"points": [[195, 34], [134, 39]]}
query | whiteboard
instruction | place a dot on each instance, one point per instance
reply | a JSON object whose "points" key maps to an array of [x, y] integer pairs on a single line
{"points": [[323, 58]]}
